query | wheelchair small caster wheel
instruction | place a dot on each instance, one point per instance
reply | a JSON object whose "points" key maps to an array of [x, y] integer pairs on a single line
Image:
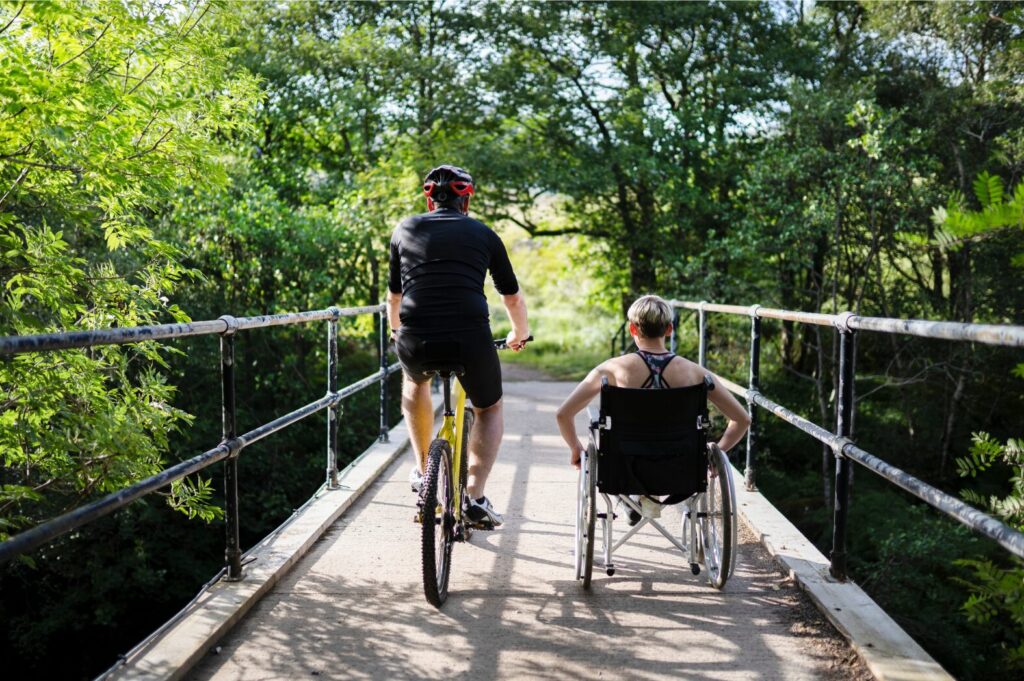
{"points": [[694, 568], [610, 571]]}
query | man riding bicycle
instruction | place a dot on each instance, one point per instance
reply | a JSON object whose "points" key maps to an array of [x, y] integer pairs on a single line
{"points": [[438, 263]]}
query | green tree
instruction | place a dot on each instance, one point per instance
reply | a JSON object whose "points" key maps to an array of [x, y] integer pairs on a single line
{"points": [[629, 115], [106, 108]]}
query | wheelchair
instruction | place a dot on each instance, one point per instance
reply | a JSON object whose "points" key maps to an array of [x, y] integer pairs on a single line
{"points": [[653, 443]]}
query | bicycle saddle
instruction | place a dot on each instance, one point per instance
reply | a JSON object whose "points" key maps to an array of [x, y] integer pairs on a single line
{"points": [[442, 357], [443, 368]]}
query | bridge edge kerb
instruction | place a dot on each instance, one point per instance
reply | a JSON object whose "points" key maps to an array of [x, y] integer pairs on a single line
{"points": [[147, 660]]}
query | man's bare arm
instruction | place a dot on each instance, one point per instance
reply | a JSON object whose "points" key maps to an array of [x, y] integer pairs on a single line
{"points": [[515, 306], [394, 305]]}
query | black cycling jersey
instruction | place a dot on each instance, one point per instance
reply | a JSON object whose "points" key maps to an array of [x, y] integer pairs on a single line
{"points": [[438, 263]]}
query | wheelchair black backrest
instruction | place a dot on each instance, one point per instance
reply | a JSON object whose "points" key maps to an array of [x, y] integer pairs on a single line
{"points": [[653, 441]]}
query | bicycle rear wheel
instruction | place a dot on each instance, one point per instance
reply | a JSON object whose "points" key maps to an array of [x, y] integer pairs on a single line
{"points": [[438, 522], [718, 524]]}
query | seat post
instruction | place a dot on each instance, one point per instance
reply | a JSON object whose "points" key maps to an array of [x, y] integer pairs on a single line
{"points": [[446, 379]]}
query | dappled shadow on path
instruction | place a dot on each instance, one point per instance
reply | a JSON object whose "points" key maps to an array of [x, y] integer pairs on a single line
{"points": [[354, 608]]}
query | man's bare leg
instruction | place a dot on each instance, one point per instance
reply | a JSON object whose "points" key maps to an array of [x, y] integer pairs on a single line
{"points": [[484, 441], [418, 410]]}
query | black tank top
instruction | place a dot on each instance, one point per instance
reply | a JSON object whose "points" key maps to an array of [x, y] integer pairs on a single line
{"points": [[656, 363]]}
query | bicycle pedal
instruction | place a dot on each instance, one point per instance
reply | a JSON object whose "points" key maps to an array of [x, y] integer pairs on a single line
{"points": [[487, 527]]}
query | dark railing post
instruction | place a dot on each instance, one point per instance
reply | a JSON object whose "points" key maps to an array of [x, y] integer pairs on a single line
{"points": [[334, 411], [233, 548], [844, 422], [755, 385], [383, 349], [703, 333]]}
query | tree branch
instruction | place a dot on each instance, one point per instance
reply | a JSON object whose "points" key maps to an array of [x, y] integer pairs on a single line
{"points": [[51, 166], [86, 49], [533, 230], [21, 177], [205, 10], [156, 144], [16, 15]]}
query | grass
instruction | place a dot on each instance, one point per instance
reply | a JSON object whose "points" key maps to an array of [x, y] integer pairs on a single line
{"points": [[558, 361]]}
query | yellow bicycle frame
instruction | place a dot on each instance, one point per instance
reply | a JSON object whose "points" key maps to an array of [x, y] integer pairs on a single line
{"points": [[452, 430]]}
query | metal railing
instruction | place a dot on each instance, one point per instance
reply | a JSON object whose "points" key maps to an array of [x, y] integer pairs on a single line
{"points": [[232, 443], [843, 448]]}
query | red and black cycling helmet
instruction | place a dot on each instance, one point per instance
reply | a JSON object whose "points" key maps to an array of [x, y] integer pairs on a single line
{"points": [[448, 186]]}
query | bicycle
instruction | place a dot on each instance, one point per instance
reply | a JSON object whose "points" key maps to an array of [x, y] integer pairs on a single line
{"points": [[446, 463]]}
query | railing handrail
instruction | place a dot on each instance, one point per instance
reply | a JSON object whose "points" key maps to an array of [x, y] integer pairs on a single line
{"points": [[1008, 335], [64, 340], [231, 445], [839, 442]]}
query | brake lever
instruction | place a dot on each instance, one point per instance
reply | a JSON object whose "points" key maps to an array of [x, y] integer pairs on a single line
{"points": [[502, 343]]}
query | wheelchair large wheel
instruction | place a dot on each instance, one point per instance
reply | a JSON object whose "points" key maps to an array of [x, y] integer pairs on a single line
{"points": [[438, 513], [580, 536], [718, 521], [586, 517]]}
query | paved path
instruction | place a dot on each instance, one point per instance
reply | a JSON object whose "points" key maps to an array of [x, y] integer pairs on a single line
{"points": [[353, 608]]}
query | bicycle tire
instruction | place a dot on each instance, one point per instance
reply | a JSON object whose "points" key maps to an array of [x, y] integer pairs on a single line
{"points": [[590, 507], [438, 532], [718, 526]]}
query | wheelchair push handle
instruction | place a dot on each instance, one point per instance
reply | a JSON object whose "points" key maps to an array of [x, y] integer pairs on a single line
{"points": [[502, 343]]}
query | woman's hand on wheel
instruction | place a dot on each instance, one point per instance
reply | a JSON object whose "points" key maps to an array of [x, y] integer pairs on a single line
{"points": [[576, 454]]}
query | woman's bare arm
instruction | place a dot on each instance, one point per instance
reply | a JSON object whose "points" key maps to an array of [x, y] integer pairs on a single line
{"points": [[739, 419], [577, 400]]}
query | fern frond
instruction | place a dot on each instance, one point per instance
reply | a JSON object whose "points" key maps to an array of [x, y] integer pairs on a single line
{"points": [[989, 189]]}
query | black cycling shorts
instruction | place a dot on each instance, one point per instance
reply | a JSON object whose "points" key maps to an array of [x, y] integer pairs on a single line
{"points": [[421, 352]]}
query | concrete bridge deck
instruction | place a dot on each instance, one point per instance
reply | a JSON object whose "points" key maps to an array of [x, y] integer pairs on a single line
{"points": [[353, 607]]}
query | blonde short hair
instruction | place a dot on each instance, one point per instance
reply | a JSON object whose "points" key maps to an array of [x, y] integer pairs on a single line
{"points": [[651, 315]]}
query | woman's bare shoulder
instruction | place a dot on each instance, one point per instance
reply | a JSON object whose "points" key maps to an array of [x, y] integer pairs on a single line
{"points": [[684, 372], [618, 370]]}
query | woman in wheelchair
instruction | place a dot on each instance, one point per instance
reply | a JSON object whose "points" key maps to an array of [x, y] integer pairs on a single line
{"points": [[651, 366], [649, 446]]}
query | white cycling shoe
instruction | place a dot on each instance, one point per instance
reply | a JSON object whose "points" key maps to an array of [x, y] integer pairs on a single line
{"points": [[482, 514]]}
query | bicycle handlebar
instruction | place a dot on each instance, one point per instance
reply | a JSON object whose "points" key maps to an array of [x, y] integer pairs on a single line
{"points": [[502, 343]]}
